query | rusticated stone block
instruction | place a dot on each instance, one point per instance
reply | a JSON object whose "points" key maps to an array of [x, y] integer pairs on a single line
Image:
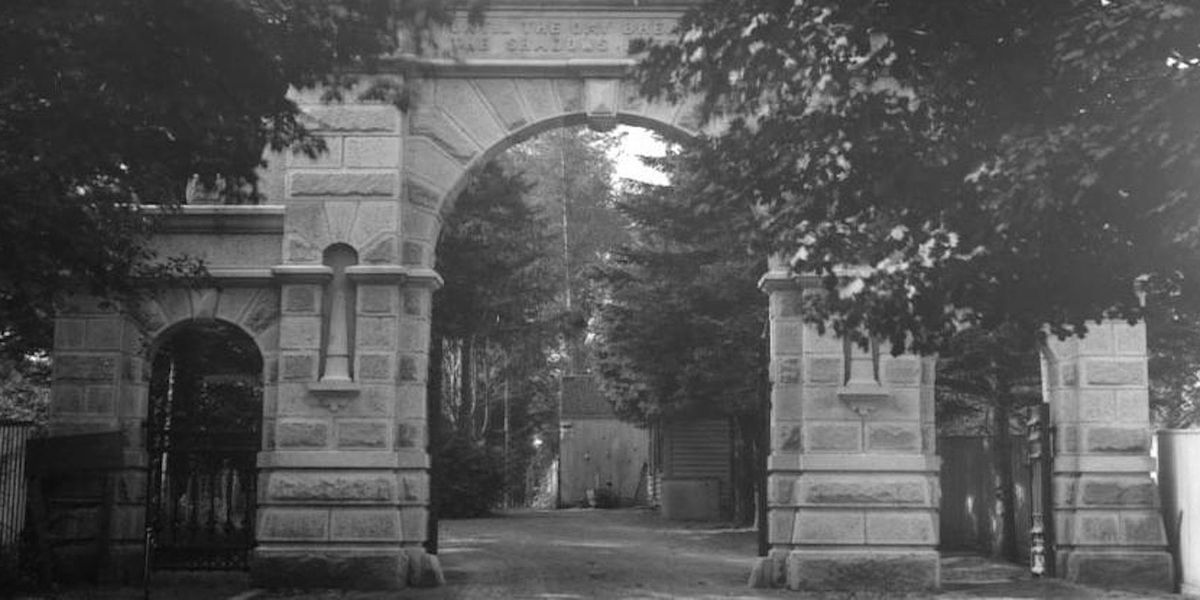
{"points": [[1118, 440], [414, 523], [570, 94], [1067, 439], [331, 158], [414, 303], [362, 434], [355, 118], [875, 571], [780, 526], [787, 337], [93, 368], [1129, 570], [790, 438], [300, 299], [375, 299], [1130, 340], [414, 487], [1143, 528], [503, 97], [408, 370], [322, 487], [365, 525], [371, 152], [298, 367], [902, 371], [280, 524], [1070, 374], [263, 314], [1099, 340], [410, 435], [787, 304], [104, 334], [825, 370], [66, 399], [1098, 529], [1107, 372], [789, 370], [434, 125], [412, 254], [1119, 493], [382, 252], [908, 528], [291, 569], [300, 333], [865, 491], [375, 367], [100, 399], [895, 437], [834, 437], [780, 489], [302, 434], [375, 184], [376, 332], [829, 527], [69, 334]]}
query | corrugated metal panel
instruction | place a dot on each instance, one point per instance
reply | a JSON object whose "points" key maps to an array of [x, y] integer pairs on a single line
{"points": [[700, 449]]}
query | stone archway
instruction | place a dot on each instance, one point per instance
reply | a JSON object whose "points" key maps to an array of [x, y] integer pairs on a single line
{"points": [[343, 473]]}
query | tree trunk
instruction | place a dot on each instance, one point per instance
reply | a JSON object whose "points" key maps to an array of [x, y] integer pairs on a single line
{"points": [[466, 407], [1004, 542]]}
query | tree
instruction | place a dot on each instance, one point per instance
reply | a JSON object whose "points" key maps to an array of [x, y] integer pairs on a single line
{"points": [[494, 328], [573, 185], [678, 333], [940, 164], [109, 106]]}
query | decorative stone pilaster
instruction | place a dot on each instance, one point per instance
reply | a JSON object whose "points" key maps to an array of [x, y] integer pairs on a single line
{"points": [[852, 477], [1108, 526], [330, 498]]}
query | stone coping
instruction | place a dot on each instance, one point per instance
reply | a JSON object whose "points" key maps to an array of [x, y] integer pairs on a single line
{"points": [[342, 459], [873, 463], [220, 218]]}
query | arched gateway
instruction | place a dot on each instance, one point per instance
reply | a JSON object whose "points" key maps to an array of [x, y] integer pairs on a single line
{"points": [[333, 279]]}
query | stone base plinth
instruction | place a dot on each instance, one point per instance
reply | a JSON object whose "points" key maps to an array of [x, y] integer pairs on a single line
{"points": [[1116, 568], [316, 568], [862, 570]]}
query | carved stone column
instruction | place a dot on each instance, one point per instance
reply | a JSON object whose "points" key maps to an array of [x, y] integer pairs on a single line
{"points": [[853, 476], [1108, 527]]}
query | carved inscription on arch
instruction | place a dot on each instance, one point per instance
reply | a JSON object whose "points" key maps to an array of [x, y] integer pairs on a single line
{"points": [[534, 36]]}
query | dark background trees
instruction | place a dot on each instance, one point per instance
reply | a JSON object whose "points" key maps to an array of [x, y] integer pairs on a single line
{"points": [[680, 330], [981, 163]]}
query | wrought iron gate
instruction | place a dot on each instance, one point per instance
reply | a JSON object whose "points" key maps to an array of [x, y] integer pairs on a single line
{"points": [[1040, 437], [200, 505]]}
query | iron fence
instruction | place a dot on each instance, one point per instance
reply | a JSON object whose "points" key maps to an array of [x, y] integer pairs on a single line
{"points": [[13, 487]]}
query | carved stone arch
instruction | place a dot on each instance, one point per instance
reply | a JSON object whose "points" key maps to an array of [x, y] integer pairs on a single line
{"points": [[467, 122], [253, 310]]}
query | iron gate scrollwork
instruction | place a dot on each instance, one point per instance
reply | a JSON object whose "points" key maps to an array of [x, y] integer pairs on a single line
{"points": [[1039, 436], [203, 437]]}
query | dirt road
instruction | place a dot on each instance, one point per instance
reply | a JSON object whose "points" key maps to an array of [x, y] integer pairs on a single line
{"points": [[593, 554]]}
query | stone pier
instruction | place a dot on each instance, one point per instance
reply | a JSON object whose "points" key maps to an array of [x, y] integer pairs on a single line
{"points": [[853, 475], [1108, 525]]}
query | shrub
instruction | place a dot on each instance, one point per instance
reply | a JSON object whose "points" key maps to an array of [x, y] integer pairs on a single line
{"points": [[468, 477]]}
